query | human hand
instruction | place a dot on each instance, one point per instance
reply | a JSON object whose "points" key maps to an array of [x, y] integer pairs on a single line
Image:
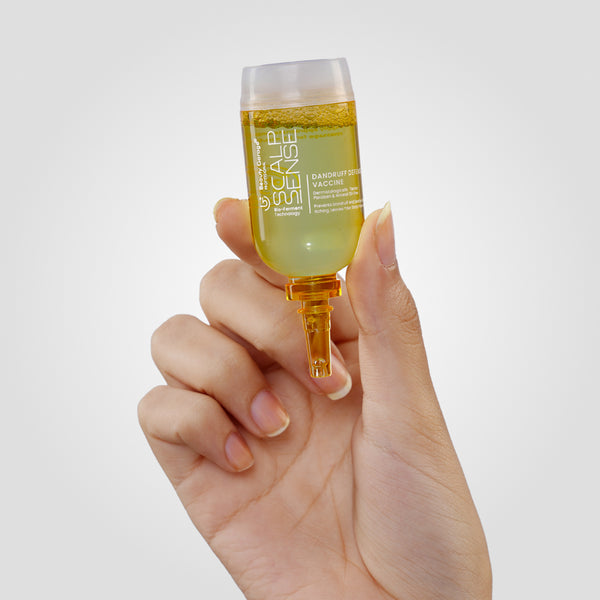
{"points": [[362, 497]]}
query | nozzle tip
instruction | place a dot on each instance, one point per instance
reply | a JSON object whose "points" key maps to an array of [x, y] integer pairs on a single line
{"points": [[314, 293], [320, 367]]}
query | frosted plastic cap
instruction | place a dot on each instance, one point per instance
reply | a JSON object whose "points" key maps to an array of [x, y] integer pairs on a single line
{"points": [[301, 83]]}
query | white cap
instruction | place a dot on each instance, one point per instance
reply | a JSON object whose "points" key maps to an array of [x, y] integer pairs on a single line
{"points": [[301, 83]]}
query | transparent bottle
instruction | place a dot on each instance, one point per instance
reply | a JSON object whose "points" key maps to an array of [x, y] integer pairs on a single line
{"points": [[304, 183]]}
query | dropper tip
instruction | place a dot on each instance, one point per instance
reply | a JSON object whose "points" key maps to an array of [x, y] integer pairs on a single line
{"points": [[316, 328], [314, 293], [320, 367]]}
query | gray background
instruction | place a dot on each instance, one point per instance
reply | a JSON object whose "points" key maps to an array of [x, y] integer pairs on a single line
{"points": [[119, 130]]}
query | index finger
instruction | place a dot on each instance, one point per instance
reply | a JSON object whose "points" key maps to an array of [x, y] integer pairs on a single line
{"points": [[233, 226]]}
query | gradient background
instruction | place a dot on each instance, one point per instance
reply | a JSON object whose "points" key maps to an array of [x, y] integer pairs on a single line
{"points": [[119, 130]]}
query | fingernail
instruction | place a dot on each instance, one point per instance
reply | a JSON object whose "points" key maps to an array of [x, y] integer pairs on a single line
{"points": [[237, 452], [384, 237], [268, 413], [339, 383], [216, 208]]}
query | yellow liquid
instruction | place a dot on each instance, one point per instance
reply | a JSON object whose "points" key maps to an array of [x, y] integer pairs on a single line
{"points": [[304, 185]]}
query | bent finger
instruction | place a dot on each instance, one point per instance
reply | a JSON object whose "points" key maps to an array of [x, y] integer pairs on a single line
{"points": [[206, 360], [266, 323], [233, 227], [182, 425]]}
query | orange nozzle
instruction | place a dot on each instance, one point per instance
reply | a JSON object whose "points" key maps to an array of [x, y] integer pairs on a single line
{"points": [[314, 293]]}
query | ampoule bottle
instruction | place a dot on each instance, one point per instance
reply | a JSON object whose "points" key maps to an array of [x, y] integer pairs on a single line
{"points": [[304, 183]]}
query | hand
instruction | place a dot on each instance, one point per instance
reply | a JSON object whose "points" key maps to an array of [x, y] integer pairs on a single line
{"points": [[362, 497]]}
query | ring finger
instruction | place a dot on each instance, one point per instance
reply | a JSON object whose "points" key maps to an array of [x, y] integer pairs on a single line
{"points": [[195, 356], [181, 425]]}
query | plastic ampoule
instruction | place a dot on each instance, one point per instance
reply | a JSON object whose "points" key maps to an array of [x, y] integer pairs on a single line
{"points": [[304, 183]]}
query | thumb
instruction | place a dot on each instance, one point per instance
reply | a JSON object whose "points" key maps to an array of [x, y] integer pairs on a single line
{"points": [[394, 371]]}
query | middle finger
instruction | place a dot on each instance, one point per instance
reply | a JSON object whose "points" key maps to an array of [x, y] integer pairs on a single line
{"points": [[267, 322]]}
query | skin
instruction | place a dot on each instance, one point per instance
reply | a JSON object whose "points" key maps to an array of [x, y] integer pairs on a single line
{"points": [[362, 497]]}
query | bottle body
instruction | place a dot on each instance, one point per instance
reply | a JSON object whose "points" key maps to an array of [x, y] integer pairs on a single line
{"points": [[304, 184]]}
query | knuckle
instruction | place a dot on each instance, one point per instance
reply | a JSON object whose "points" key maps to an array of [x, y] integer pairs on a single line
{"points": [[405, 311], [147, 406], [221, 273], [172, 329], [400, 315]]}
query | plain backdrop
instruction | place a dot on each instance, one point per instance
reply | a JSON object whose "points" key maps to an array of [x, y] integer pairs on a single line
{"points": [[119, 130]]}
